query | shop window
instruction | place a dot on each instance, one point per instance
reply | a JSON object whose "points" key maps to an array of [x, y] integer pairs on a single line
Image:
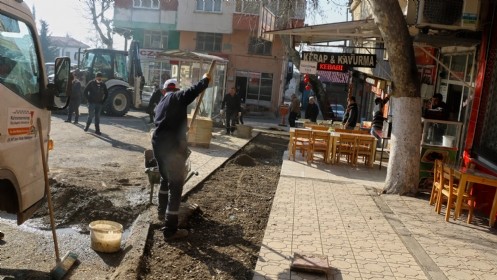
{"points": [[146, 4], [209, 42], [209, 5], [488, 141], [259, 47], [155, 40]]}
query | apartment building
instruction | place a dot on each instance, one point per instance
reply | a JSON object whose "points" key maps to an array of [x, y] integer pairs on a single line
{"points": [[227, 29]]}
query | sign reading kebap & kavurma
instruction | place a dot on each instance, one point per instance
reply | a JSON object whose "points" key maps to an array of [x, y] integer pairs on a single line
{"points": [[339, 61]]}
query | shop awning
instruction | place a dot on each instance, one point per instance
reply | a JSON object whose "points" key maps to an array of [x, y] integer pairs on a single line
{"points": [[364, 30], [187, 56], [359, 30]]}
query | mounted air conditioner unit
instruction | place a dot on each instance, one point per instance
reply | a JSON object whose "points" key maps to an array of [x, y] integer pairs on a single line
{"points": [[449, 14]]}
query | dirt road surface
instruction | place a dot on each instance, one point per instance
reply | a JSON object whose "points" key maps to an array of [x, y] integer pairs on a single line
{"points": [[93, 177], [102, 177]]}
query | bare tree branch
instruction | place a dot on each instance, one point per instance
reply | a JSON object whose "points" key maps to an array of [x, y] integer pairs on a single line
{"points": [[97, 14]]}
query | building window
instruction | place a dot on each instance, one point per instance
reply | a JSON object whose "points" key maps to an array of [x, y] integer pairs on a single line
{"points": [[155, 40], [259, 47], [209, 5], [248, 7], [209, 42], [146, 4]]}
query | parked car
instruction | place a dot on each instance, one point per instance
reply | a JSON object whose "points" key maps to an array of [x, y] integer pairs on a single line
{"points": [[337, 111]]}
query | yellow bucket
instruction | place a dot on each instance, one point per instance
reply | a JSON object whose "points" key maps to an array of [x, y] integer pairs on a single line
{"points": [[106, 236]]}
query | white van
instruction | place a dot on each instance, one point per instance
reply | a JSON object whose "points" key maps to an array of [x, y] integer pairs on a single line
{"points": [[25, 97]]}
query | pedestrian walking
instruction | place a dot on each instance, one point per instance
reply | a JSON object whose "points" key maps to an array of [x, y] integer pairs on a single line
{"points": [[96, 93], [294, 110], [231, 102], [75, 98], [169, 143], [312, 110]]}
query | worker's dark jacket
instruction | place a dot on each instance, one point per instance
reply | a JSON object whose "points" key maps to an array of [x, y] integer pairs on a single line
{"points": [[232, 103], [170, 114], [351, 121], [96, 92]]}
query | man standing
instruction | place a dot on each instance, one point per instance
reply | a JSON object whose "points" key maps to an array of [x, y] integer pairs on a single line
{"points": [[154, 100], [75, 98], [233, 109], [169, 143], [294, 110], [96, 93], [352, 112]]}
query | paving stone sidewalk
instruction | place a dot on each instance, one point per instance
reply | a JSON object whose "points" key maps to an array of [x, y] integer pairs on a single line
{"points": [[335, 211]]}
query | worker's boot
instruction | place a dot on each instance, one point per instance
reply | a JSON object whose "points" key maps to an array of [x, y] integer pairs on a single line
{"points": [[1, 235], [97, 129], [87, 126]]}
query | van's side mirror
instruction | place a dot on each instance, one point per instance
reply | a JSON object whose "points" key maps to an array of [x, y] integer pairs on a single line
{"points": [[61, 78], [59, 90]]}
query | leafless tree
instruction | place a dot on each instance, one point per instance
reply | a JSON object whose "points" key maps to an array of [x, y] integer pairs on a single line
{"points": [[98, 13]]}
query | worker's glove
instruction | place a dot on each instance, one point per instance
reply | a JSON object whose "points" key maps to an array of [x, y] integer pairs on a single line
{"points": [[206, 75], [221, 112], [239, 114]]}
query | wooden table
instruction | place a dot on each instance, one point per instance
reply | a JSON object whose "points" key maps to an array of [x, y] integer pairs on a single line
{"points": [[470, 176], [335, 136]]}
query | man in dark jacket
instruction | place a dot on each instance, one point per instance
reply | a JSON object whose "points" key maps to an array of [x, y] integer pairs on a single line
{"points": [[154, 100], [169, 143], [312, 110], [75, 98], [352, 112], [233, 109], [96, 93]]}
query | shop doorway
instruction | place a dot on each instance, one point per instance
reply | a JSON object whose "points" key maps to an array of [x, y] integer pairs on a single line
{"points": [[241, 87]]}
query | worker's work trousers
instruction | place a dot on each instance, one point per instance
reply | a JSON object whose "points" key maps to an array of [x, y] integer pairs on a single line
{"points": [[171, 156], [94, 110]]}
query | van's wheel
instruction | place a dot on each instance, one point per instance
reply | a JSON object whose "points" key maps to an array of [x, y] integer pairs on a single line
{"points": [[118, 102]]}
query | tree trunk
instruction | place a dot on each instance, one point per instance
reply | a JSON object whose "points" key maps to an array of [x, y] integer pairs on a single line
{"points": [[403, 166]]}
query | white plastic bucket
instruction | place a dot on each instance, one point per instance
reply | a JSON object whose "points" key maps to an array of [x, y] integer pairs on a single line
{"points": [[448, 141], [106, 236]]}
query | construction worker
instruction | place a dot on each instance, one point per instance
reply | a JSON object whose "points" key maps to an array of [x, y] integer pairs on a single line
{"points": [[169, 143]]}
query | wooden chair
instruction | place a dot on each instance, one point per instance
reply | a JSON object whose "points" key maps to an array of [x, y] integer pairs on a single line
{"points": [[302, 142], [450, 185], [364, 146], [437, 181], [354, 131], [320, 127], [346, 146], [320, 143], [309, 124], [363, 132], [342, 130]]}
